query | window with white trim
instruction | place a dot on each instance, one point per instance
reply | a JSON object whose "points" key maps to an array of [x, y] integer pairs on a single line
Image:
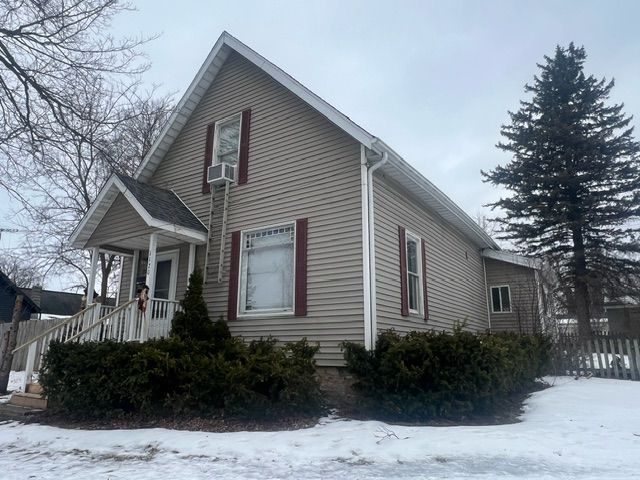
{"points": [[414, 273], [500, 299], [267, 270], [226, 146]]}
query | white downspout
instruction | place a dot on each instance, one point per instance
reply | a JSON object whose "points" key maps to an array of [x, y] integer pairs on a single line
{"points": [[372, 249], [366, 257], [486, 290]]}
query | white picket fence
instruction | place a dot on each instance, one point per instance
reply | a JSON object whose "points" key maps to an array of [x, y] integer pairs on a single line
{"points": [[606, 356]]}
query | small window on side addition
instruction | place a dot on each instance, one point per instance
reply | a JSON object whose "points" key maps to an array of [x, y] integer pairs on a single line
{"points": [[500, 299]]}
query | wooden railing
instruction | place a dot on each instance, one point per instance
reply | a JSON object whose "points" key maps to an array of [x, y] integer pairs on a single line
{"points": [[62, 332], [160, 315], [106, 309], [125, 323], [120, 325]]}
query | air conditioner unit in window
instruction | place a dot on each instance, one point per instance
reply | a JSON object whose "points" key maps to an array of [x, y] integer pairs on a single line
{"points": [[221, 173]]}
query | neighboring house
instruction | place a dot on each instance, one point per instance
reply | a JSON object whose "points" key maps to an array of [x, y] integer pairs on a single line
{"points": [[8, 292], [326, 233], [623, 316], [55, 304]]}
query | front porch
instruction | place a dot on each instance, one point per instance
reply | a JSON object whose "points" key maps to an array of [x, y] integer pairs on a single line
{"points": [[155, 235], [150, 229]]}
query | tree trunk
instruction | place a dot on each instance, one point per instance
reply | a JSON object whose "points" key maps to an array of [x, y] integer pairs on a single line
{"points": [[581, 287], [9, 343], [106, 266]]}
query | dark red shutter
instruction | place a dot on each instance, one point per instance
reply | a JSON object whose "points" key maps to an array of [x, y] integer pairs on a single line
{"points": [[243, 158], [234, 277], [208, 156], [300, 308], [424, 279], [404, 291]]}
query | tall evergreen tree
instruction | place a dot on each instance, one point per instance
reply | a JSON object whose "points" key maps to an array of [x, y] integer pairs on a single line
{"points": [[574, 180], [192, 322]]}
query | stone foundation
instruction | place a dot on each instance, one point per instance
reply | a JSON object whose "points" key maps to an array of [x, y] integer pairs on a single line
{"points": [[337, 385]]}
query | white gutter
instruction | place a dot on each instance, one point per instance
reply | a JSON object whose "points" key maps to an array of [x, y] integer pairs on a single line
{"points": [[373, 327]]}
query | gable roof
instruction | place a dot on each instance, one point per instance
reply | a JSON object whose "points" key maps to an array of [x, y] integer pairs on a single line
{"points": [[162, 204], [397, 168], [158, 207]]}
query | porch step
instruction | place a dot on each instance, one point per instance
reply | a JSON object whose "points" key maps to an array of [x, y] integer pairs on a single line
{"points": [[34, 388], [29, 400], [15, 412]]}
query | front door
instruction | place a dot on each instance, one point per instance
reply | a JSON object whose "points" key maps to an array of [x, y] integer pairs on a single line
{"points": [[166, 275]]}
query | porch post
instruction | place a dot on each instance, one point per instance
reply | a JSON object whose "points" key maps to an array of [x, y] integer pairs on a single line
{"points": [[192, 260], [95, 251], [119, 282], [134, 267], [151, 264], [151, 283]]}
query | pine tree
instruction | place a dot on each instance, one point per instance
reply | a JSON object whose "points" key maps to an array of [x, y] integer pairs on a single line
{"points": [[192, 322], [574, 181]]}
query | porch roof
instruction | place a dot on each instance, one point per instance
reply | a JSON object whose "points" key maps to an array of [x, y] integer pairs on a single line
{"points": [[161, 210]]}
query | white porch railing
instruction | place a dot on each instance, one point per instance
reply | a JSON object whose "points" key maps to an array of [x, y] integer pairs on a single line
{"points": [[106, 309], [160, 313], [121, 324]]}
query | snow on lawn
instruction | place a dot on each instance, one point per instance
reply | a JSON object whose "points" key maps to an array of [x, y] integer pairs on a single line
{"points": [[586, 429]]}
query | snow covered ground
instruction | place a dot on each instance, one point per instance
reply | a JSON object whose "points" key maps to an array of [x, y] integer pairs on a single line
{"points": [[16, 379], [584, 429]]}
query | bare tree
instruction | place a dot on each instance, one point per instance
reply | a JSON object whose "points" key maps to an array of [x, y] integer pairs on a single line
{"points": [[67, 175], [21, 271], [49, 50], [70, 114], [9, 341]]}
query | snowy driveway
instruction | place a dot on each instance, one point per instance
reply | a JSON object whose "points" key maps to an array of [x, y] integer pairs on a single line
{"points": [[576, 429]]}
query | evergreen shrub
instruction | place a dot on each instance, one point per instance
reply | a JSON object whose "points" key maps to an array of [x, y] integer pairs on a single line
{"points": [[427, 375], [200, 369], [182, 377]]}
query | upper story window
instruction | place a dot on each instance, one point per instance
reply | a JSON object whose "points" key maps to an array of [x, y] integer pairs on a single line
{"points": [[500, 299], [267, 270], [414, 273], [227, 140]]}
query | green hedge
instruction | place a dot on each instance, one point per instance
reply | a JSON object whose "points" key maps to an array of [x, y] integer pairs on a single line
{"points": [[178, 376], [427, 375]]}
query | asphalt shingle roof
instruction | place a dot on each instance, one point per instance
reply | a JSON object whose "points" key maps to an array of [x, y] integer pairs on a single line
{"points": [[162, 204]]}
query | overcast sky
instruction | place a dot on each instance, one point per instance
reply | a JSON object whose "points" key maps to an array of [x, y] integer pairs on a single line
{"points": [[434, 80]]}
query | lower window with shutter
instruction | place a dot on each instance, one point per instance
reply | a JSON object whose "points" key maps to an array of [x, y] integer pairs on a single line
{"points": [[268, 270]]}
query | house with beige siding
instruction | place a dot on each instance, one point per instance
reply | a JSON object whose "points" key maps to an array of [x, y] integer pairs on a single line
{"points": [[304, 224]]}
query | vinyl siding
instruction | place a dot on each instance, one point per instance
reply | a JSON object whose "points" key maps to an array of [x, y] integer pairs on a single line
{"points": [[182, 280], [300, 165], [455, 276], [120, 222], [524, 299], [125, 280]]}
